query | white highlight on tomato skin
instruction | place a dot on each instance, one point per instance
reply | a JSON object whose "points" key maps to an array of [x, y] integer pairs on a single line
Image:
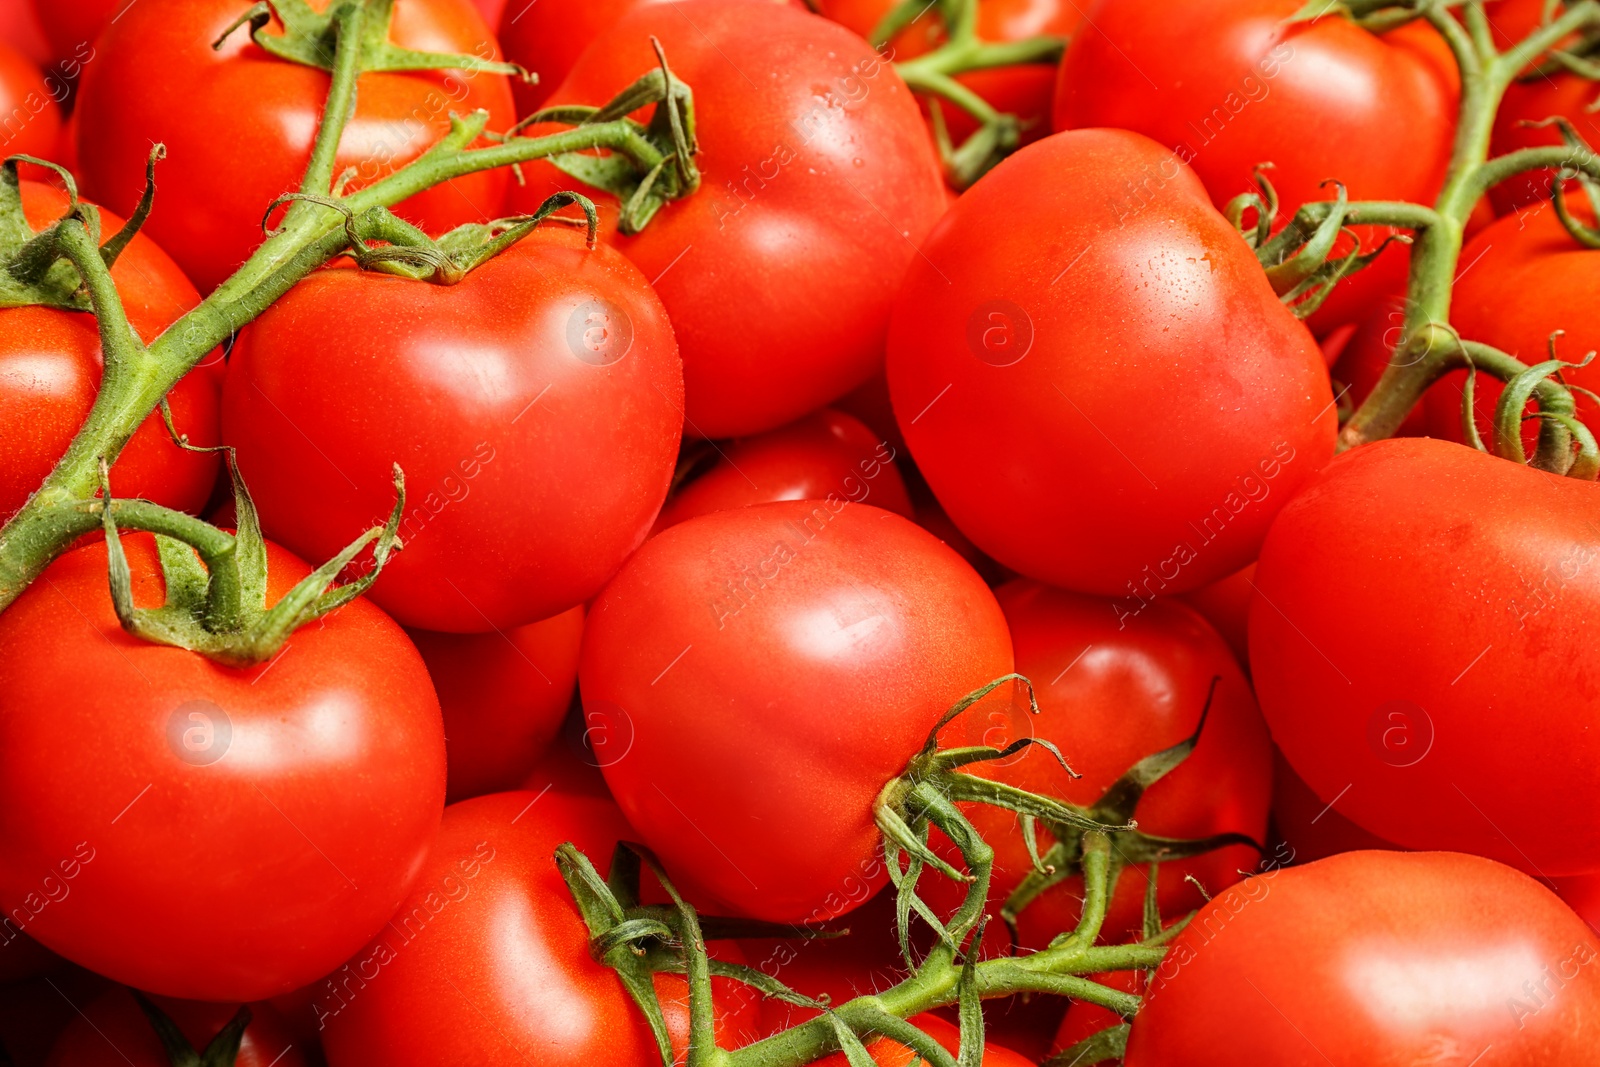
{"points": [[825, 633], [331, 729], [532, 981], [1402, 987]]}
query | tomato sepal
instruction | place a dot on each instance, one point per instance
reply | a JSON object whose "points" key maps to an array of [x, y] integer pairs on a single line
{"points": [[221, 1051]]}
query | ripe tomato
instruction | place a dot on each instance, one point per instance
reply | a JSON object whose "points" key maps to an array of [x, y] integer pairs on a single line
{"points": [[114, 1032], [819, 185], [19, 27], [1522, 279], [1110, 693], [1401, 600], [1309, 827], [240, 112], [756, 786], [1554, 93], [31, 111], [1233, 88], [537, 445], [261, 823], [1376, 957], [827, 453], [1368, 352], [504, 697], [888, 1053], [1225, 603], [1013, 351], [1084, 1020], [488, 961], [69, 25], [50, 366]]}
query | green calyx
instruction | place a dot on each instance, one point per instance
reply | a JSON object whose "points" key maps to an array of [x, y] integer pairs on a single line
{"points": [[216, 582], [222, 1051], [311, 38]]}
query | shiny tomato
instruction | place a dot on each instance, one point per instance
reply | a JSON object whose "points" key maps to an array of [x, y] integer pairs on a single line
{"points": [[504, 697], [535, 408], [261, 823], [1110, 693], [488, 960], [68, 26], [114, 1032], [1376, 958], [1401, 600], [1522, 279], [30, 105], [888, 1053], [1233, 85], [50, 366], [827, 453], [819, 184], [756, 786], [19, 27], [1225, 603], [1014, 348], [239, 112]]}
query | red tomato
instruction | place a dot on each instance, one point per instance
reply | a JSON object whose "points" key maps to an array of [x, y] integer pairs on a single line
{"points": [[1376, 957], [1084, 1020], [537, 446], [34, 1012], [488, 961], [504, 697], [31, 111], [1521, 280], [1225, 604], [1233, 89], [888, 1053], [818, 188], [1367, 354], [78, 22], [491, 10], [293, 800], [826, 454], [50, 366], [240, 112], [756, 786], [1582, 894], [1400, 601], [114, 1032], [1308, 827], [19, 27], [1013, 351], [1555, 93], [1110, 693]]}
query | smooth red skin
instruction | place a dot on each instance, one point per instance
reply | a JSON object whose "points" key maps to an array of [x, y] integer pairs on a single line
{"points": [[19, 27], [867, 632], [1309, 827], [892, 1054], [1163, 73], [1109, 696], [870, 403], [1581, 892], [1454, 553], [491, 10], [114, 1032], [1376, 959], [240, 112], [522, 502], [1368, 353], [1165, 302], [304, 834], [781, 296], [50, 367], [1554, 94], [499, 972], [1523, 278], [31, 111], [826, 453], [504, 697], [69, 24], [1225, 604], [1084, 1020]]}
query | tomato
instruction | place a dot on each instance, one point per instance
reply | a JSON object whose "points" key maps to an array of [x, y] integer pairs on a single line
{"points": [[1582, 894], [1308, 827], [1367, 354], [114, 1032], [32, 112], [888, 1053], [1014, 348], [827, 453], [34, 1012], [1225, 604], [261, 823], [1401, 601], [535, 408], [1231, 89], [1555, 93], [1111, 692], [818, 188], [70, 25], [50, 365], [1376, 957], [1084, 1020], [238, 111], [504, 697], [19, 27], [759, 674], [488, 960], [1521, 280]]}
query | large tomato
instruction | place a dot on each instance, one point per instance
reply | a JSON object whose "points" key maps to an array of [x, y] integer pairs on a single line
{"points": [[504, 697], [1232, 85], [819, 184], [1110, 693], [761, 673], [1522, 279], [50, 366], [239, 123], [114, 1032], [1419, 645], [827, 453], [488, 960], [69, 26], [260, 823], [1377, 958], [535, 407], [1043, 302]]}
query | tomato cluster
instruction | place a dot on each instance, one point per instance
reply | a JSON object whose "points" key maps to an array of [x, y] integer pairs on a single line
{"points": [[954, 533]]}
